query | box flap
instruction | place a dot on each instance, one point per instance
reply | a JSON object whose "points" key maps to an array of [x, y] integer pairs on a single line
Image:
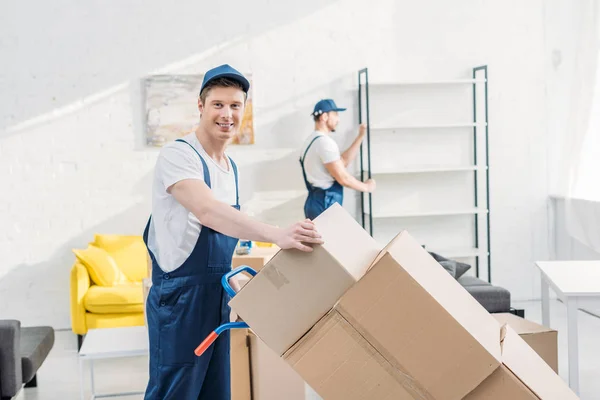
{"points": [[520, 325], [531, 369]]}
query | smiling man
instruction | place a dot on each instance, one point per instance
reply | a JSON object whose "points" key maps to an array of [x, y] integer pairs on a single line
{"points": [[191, 238]]}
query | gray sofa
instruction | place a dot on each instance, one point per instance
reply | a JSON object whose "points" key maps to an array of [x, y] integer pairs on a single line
{"points": [[22, 352], [494, 299]]}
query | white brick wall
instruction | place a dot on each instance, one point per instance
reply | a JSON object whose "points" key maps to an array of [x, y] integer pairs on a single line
{"points": [[71, 159]]}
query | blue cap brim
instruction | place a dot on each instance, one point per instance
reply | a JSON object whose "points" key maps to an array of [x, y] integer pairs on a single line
{"points": [[238, 78]]}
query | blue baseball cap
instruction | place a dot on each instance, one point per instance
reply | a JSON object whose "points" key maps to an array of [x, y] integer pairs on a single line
{"points": [[225, 71], [326, 105]]}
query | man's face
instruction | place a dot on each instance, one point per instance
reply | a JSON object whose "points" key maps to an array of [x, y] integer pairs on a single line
{"points": [[333, 120], [222, 112]]}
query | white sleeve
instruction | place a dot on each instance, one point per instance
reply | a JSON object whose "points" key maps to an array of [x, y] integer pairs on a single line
{"points": [[327, 149], [176, 163]]}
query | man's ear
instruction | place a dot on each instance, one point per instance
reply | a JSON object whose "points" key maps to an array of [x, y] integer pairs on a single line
{"points": [[200, 105]]}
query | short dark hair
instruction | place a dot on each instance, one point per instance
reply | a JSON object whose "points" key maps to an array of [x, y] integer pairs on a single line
{"points": [[221, 82], [317, 117]]}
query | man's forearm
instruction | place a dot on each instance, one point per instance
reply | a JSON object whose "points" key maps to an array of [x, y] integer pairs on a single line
{"points": [[225, 219], [351, 182], [350, 154]]}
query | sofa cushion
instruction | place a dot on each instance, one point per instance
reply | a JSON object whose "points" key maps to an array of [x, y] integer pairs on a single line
{"points": [[129, 252], [36, 343], [467, 280], [124, 298], [449, 266], [459, 268], [101, 266], [493, 298]]}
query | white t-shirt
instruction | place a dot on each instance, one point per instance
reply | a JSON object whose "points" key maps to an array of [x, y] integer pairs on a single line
{"points": [[323, 151], [174, 230]]}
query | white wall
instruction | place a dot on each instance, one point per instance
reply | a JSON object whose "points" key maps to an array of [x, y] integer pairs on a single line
{"points": [[71, 158]]}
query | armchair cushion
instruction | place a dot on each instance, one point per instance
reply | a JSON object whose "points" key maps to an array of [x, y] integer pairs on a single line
{"points": [[118, 299], [129, 253], [101, 266]]}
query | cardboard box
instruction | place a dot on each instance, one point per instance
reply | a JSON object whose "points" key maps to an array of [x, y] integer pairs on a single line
{"points": [[240, 365], [423, 322], [257, 259], [295, 289], [524, 375], [272, 378], [541, 339], [408, 330], [338, 363]]}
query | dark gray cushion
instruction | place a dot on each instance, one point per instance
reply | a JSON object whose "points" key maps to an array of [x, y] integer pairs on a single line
{"points": [[461, 269], [10, 361], [492, 298], [449, 266], [36, 343], [458, 267], [468, 280]]}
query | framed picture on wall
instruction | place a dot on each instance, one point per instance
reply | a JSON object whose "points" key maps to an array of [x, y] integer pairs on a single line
{"points": [[171, 110]]}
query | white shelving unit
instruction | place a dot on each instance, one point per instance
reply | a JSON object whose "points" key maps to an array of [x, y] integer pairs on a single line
{"points": [[427, 148]]}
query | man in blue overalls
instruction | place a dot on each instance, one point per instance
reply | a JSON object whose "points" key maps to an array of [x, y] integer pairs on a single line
{"points": [[323, 167], [191, 237]]}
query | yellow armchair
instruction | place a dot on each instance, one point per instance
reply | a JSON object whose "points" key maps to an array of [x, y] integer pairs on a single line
{"points": [[106, 283]]}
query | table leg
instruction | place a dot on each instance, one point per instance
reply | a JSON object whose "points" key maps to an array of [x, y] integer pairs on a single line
{"points": [[545, 303], [81, 378], [92, 379], [573, 344]]}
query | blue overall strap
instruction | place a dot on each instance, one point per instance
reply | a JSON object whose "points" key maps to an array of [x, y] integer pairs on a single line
{"points": [[235, 172], [306, 151], [205, 167], [306, 182]]}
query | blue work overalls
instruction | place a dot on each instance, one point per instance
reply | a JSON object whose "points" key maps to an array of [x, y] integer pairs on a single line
{"points": [[183, 307], [318, 199]]}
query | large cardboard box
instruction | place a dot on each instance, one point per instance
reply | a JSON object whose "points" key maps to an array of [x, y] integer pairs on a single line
{"points": [[240, 365], [423, 322], [408, 330], [523, 375], [272, 378], [338, 363], [295, 289], [541, 339]]}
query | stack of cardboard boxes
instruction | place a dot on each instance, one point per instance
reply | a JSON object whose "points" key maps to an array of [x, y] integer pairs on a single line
{"points": [[359, 322]]}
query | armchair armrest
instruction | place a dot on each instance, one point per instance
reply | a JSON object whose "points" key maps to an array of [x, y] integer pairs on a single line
{"points": [[80, 283], [11, 378]]}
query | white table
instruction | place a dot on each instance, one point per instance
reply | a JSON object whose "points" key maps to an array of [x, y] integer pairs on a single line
{"points": [[111, 343], [571, 280]]}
